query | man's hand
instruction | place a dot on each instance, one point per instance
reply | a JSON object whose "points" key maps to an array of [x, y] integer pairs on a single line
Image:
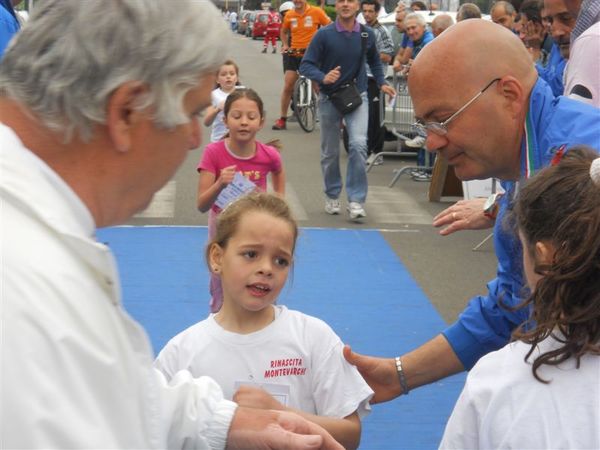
{"points": [[379, 373], [254, 397], [264, 430], [389, 90], [534, 35], [332, 76], [463, 215]]}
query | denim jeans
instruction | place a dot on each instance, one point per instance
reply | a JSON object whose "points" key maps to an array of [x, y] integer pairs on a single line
{"points": [[356, 125]]}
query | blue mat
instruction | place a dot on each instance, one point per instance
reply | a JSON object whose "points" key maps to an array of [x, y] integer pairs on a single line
{"points": [[349, 278]]}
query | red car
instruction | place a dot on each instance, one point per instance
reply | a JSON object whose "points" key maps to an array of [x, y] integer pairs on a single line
{"points": [[257, 28]]}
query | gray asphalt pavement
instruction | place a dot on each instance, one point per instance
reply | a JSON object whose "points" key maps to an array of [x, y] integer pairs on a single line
{"points": [[446, 268]]}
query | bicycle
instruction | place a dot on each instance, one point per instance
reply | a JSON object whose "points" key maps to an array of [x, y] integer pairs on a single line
{"points": [[304, 101]]}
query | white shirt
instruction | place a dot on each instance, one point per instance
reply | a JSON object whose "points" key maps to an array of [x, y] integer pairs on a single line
{"points": [[76, 369], [219, 129], [503, 406], [297, 358], [583, 68]]}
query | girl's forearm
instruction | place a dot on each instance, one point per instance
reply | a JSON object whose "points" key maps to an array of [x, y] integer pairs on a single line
{"points": [[207, 198], [346, 431], [211, 113], [278, 180]]}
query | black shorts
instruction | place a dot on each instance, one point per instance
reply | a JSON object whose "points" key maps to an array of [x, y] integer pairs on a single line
{"points": [[291, 62]]}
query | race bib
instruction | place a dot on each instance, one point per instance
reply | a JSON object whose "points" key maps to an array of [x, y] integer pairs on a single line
{"points": [[281, 392]]}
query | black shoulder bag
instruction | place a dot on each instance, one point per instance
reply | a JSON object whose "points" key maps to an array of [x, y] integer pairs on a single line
{"points": [[346, 98]]}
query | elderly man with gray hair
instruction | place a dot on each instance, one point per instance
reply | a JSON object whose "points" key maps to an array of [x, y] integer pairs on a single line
{"points": [[98, 107]]}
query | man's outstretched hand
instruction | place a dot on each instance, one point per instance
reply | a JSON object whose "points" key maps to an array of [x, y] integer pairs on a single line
{"points": [[267, 429], [379, 373]]}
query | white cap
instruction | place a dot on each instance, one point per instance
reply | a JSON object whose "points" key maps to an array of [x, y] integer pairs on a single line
{"points": [[286, 6]]}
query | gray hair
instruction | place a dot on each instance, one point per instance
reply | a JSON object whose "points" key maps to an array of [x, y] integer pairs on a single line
{"points": [[414, 16], [72, 55], [468, 11]]}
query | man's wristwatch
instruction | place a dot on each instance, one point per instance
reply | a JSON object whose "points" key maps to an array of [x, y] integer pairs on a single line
{"points": [[490, 207]]}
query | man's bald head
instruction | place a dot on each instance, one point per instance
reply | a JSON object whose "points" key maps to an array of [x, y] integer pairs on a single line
{"points": [[486, 95], [493, 52], [441, 23]]}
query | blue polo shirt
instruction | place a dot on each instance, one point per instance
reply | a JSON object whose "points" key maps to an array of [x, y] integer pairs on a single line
{"points": [[552, 123]]}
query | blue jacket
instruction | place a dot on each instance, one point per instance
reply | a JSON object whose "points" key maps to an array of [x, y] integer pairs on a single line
{"points": [[8, 24], [330, 48], [552, 73], [485, 326]]}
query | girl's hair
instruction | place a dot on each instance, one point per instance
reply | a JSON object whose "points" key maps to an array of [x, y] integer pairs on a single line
{"points": [[229, 62], [248, 93], [230, 218], [561, 206]]}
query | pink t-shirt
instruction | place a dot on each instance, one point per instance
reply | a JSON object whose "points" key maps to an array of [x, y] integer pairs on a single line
{"points": [[266, 159]]}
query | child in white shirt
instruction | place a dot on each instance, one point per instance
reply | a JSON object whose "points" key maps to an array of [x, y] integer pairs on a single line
{"points": [[261, 354]]}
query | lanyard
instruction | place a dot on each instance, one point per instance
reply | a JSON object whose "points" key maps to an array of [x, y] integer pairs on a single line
{"points": [[528, 147]]}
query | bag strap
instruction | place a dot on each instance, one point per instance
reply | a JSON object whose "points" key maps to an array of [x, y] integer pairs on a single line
{"points": [[364, 36]]}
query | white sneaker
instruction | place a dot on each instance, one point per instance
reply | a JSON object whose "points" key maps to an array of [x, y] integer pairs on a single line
{"points": [[417, 142], [332, 206], [356, 210]]}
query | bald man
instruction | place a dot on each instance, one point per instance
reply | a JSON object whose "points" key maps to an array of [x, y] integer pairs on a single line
{"points": [[475, 117], [441, 23]]}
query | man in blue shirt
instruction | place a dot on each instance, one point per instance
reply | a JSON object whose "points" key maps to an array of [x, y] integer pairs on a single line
{"points": [[334, 57], [489, 116]]}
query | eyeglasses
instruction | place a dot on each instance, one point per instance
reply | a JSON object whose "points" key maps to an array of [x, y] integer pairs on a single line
{"points": [[441, 128]]}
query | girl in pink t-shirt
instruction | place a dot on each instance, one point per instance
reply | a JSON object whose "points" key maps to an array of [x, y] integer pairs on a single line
{"points": [[238, 152]]}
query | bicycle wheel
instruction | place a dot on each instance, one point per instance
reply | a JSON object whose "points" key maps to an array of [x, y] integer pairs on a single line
{"points": [[305, 109]]}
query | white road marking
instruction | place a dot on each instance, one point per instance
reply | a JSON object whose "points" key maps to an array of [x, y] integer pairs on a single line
{"points": [[395, 206], [163, 203]]}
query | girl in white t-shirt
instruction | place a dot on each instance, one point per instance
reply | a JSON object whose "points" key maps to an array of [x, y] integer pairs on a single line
{"points": [[264, 355], [227, 80], [543, 389]]}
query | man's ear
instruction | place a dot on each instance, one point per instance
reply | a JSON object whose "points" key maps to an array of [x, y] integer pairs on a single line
{"points": [[215, 258], [120, 113], [514, 95]]}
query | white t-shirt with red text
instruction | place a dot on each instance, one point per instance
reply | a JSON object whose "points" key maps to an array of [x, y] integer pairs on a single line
{"points": [[297, 358]]}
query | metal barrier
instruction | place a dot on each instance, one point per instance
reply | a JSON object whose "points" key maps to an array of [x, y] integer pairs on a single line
{"points": [[400, 125]]}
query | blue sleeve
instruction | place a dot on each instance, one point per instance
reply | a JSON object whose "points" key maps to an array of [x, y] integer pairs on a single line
{"points": [[310, 66], [8, 28], [374, 61], [486, 323], [405, 41], [553, 72]]}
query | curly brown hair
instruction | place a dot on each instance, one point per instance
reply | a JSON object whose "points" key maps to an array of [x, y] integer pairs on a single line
{"points": [[561, 205]]}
